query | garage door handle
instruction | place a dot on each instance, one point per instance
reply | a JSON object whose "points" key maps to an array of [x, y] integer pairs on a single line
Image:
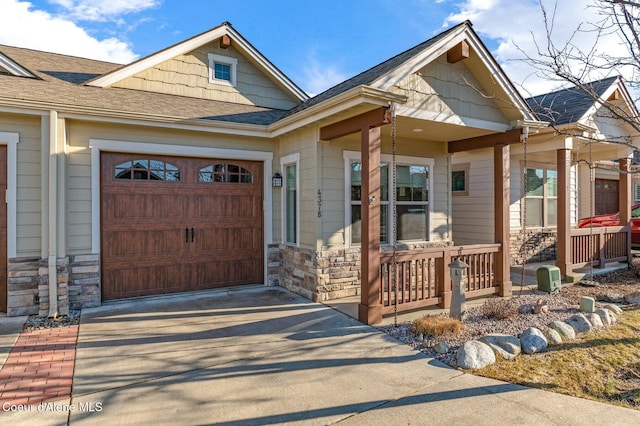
{"points": [[192, 234], [186, 235]]}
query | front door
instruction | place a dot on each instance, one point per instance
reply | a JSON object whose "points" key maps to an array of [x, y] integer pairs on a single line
{"points": [[606, 196]]}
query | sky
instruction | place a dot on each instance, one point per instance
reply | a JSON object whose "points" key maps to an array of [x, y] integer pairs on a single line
{"points": [[316, 43]]}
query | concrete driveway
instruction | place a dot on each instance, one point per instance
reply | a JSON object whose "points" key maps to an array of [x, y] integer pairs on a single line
{"points": [[262, 355]]}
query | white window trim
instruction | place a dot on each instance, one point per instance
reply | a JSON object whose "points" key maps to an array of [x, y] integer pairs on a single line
{"points": [[544, 197], [99, 145], [287, 161], [11, 139], [232, 62], [401, 160]]}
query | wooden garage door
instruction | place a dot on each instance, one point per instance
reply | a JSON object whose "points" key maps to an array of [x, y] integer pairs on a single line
{"points": [[172, 224], [3, 228]]}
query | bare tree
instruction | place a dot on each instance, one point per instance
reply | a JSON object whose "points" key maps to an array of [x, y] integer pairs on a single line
{"points": [[614, 50]]}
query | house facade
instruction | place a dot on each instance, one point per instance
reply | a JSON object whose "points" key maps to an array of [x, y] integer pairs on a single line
{"points": [[204, 166], [592, 151]]}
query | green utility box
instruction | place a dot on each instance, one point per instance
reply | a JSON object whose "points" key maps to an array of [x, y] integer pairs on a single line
{"points": [[549, 279]]}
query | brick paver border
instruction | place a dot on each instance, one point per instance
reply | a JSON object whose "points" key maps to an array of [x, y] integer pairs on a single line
{"points": [[39, 367]]}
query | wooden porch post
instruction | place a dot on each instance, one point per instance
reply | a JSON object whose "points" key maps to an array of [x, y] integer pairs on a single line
{"points": [[563, 256], [370, 308], [501, 180], [626, 200]]}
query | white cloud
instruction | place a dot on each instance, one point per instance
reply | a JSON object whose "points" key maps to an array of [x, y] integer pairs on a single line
{"points": [[515, 25], [317, 78], [103, 10], [23, 26]]}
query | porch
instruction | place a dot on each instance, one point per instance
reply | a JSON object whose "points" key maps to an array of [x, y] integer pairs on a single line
{"points": [[523, 284]]}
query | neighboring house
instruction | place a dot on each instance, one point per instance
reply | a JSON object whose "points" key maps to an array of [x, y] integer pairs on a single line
{"points": [[164, 175], [581, 132]]}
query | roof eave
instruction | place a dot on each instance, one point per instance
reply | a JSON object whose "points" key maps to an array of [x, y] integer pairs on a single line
{"points": [[359, 95], [192, 44], [142, 119]]}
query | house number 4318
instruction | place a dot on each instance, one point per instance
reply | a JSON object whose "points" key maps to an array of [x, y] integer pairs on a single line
{"points": [[319, 203]]}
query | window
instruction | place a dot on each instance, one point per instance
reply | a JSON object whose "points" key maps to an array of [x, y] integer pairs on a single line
{"points": [[636, 193], [147, 169], [290, 201], [225, 173], [222, 69], [460, 179], [412, 189], [541, 197]]}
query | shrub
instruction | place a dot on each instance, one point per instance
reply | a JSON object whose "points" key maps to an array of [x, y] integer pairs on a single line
{"points": [[437, 326], [498, 309]]}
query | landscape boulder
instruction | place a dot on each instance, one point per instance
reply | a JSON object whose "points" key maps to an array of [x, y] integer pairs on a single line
{"points": [[565, 330], [613, 308], [441, 347], [605, 315], [475, 354], [532, 340], [595, 320], [580, 323], [505, 345], [633, 298], [553, 337]]}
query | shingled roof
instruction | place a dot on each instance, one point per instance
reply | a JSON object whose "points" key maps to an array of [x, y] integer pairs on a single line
{"points": [[372, 74], [568, 105], [60, 83]]}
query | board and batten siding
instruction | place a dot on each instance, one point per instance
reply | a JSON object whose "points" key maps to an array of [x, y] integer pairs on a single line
{"points": [[78, 206], [28, 188], [188, 75]]}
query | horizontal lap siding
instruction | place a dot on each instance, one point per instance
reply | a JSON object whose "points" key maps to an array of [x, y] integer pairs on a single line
{"points": [[473, 213], [78, 206], [333, 186], [28, 182], [305, 143]]}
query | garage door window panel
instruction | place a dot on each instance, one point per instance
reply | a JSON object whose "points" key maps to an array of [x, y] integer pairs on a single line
{"points": [[147, 169], [225, 173]]}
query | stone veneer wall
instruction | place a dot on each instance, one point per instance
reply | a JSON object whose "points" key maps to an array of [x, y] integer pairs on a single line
{"points": [[62, 273], [23, 282], [536, 245], [78, 281], [321, 275], [84, 281]]}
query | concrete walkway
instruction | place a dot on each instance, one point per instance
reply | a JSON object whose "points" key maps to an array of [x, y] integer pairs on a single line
{"points": [[262, 355]]}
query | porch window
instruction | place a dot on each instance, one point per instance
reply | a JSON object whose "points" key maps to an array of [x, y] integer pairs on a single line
{"points": [[290, 201], [636, 193], [541, 197], [412, 188]]}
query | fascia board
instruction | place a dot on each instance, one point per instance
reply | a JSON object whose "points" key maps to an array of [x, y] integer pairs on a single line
{"points": [[356, 96], [192, 44], [147, 120], [433, 52], [428, 55], [157, 58], [618, 85], [14, 68]]}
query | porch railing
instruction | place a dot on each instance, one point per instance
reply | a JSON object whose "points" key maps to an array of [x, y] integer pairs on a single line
{"points": [[599, 245], [423, 276]]}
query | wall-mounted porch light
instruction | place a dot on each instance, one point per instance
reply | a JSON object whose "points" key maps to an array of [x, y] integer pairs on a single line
{"points": [[276, 180]]}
